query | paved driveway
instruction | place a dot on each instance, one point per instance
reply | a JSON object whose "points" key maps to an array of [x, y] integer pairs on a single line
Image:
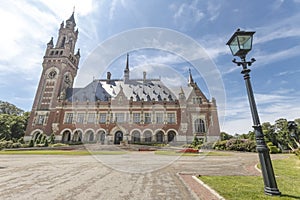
{"points": [[136, 175]]}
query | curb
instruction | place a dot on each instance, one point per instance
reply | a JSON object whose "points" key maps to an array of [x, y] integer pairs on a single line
{"points": [[187, 187], [208, 188]]}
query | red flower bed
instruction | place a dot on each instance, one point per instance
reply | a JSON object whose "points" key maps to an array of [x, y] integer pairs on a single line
{"points": [[188, 150]]}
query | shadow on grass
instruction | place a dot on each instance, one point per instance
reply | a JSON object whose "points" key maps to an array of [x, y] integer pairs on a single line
{"points": [[290, 196]]}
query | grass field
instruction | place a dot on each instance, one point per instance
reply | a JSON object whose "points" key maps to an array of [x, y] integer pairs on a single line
{"points": [[251, 187]]}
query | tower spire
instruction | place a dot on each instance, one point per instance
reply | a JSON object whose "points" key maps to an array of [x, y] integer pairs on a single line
{"points": [[126, 71], [191, 80], [70, 23]]}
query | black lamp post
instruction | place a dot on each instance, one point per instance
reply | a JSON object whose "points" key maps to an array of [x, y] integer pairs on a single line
{"points": [[240, 44]]}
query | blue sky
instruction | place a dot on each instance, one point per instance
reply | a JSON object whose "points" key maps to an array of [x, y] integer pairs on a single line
{"points": [[26, 27]]}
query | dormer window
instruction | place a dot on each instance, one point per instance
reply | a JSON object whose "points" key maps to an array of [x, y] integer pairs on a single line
{"points": [[197, 100]]}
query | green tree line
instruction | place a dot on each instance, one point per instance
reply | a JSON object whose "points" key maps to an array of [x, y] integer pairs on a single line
{"points": [[278, 136]]}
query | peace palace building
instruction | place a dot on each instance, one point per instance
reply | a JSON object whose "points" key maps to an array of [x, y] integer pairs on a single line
{"points": [[108, 111]]}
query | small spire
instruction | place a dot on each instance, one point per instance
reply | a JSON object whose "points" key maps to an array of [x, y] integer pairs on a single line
{"points": [[127, 63], [181, 90], [191, 80], [126, 71], [50, 43], [78, 53]]}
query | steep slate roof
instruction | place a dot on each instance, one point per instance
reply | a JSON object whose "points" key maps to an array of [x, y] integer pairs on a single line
{"points": [[138, 89]]}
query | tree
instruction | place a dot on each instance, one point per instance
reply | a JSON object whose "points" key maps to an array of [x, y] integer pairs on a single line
{"points": [[10, 109], [13, 121], [269, 133], [282, 133], [225, 136]]}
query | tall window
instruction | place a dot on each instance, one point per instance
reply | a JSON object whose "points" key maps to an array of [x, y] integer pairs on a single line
{"points": [[80, 118], [147, 118], [120, 117], [41, 119], [159, 118], [136, 118], [91, 118], [69, 118], [102, 118], [171, 118], [199, 126]]}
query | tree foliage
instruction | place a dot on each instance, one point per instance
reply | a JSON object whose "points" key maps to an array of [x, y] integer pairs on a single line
{"points": [[13, 121], [10, 109], [278, 137]]}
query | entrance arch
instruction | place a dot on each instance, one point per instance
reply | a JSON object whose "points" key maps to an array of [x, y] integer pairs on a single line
{"points": [[36, 134], [77, 136], [171, 136], [118, 137], [66, 136], [89, 136]]}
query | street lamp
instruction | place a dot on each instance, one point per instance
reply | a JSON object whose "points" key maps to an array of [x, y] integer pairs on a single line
{"points": [[240, 44]]}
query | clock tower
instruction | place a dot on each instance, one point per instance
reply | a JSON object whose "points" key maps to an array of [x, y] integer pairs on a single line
{"points": [[60, 65]]}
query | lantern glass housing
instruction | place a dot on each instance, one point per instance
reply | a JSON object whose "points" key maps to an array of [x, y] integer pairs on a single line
{"points": [[240, 43]]}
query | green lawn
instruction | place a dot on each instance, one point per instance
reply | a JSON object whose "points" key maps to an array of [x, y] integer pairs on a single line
{"points": [[61, 152], [251, 187]]}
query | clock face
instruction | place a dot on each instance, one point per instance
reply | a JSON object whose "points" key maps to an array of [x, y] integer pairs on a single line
{"points": [[52, 74]]}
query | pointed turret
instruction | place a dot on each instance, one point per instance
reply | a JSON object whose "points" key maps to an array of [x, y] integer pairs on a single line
{"points": [[70, 23], [78, 53], [50, 43], [181, 95]]}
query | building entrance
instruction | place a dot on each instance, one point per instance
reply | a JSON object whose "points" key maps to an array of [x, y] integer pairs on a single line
{"points": [[118, 137]]}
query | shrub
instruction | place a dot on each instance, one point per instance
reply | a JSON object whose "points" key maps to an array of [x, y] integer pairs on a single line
{"points": [[273, 148], [52, 138], [208, 145], [31, 143], [21, 140], [25, 145], [46, 143], [16, 145], [220, 145], [236, 145]]}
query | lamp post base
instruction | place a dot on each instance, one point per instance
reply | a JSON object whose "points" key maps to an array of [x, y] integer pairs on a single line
{"points": [[272, 191], [267, 171]]}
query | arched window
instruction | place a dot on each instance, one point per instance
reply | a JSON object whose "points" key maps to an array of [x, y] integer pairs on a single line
{"points": [[160, 137], [199, 126], [148, 136], [136, 137]]}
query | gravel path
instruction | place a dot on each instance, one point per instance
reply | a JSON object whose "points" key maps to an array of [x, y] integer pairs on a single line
{"points": [[136, 175]]}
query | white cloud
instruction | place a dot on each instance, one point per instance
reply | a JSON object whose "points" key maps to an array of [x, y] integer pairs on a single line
{"points": [[213, 9], [283, 28], [273, 57], [270, 107], [187, 14]]}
